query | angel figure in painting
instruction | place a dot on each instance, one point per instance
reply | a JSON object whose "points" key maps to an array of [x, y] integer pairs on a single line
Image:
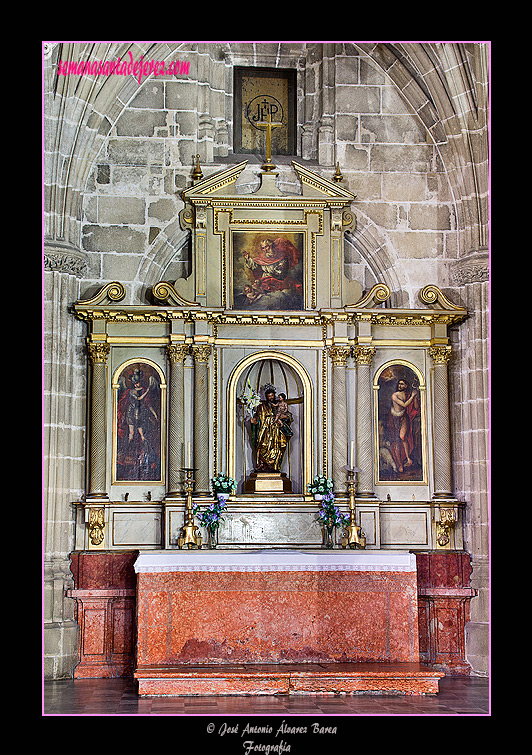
{"points": [[138, 426]]}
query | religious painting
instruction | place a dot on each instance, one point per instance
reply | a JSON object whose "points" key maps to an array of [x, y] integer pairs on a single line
{"points": [[400, 418], [260, 92], [138, 422], [268, 270]]}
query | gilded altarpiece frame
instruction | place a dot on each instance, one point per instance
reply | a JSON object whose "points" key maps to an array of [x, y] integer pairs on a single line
{"points": [[239, 234]]}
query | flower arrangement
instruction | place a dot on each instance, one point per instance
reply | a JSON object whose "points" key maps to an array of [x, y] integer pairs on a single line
{"points": [[250, 399], [330, 515], [222, 483], [320, 485], [212, 516]]}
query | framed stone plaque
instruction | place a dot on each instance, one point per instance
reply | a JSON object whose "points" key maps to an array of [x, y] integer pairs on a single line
{"points": [[259, 92]]}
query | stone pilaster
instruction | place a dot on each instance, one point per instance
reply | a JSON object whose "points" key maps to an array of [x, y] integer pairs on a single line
{"points": [[176, 430], [440, 356], [98, 353], [339, 355], [202, 418], [63, 472], [364, 443]]}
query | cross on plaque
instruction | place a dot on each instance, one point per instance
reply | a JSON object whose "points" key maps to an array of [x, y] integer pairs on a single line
{"points": [[268, 126]]}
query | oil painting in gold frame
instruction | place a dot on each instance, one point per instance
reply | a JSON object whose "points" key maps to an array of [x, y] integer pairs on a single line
{"points": [[400, 419], [139, 391], [268, 270]]}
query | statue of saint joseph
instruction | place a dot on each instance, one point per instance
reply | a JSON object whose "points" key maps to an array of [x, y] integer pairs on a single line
{"points": [[271, 431]]}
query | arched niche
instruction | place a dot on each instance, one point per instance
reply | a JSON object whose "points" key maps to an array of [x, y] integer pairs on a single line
{"points": [[289, 377]]}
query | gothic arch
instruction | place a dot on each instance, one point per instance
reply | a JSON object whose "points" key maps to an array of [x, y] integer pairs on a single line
{"points": [[381, 258]]}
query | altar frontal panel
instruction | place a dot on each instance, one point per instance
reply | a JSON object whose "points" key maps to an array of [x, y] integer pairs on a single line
{"points": [[285, 616]]}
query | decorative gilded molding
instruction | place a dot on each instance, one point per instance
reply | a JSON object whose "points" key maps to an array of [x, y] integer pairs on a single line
{"points": [[444, 526], [143, 313], [376, 295], [111, 292], [98, 352], [440, 354], [330, 189], [432, 295], [339, 355], [219, 180], [96, 525], [364, 355], [165, 291]]}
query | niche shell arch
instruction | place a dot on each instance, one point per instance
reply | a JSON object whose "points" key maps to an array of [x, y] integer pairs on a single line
{"points": [[307, 425]]}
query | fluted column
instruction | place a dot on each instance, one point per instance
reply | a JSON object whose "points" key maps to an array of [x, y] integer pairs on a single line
{"points": [[176, 431], [202, 419], [364, 435], [339, 355], [98, 353], [440, 355]]}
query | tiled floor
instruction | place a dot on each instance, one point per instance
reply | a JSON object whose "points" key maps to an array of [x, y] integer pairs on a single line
{"points": [[118, 697]]}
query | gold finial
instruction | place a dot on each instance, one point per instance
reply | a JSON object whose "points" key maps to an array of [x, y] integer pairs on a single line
{"points": [[197, 173], [338, 175], [267, 126]]}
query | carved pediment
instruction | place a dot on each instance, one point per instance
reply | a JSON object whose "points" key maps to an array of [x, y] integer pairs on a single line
{"points": [[214, 184], [315, 185]]}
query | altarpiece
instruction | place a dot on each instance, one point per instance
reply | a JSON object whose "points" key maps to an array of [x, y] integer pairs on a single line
{"points": [[267, 312]]}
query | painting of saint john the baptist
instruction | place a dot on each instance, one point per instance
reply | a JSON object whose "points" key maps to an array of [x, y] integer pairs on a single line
{"points": [[399, 420]]}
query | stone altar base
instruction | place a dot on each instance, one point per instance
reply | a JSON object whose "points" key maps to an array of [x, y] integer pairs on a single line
{"points": [[289, 679], [278, 622]]}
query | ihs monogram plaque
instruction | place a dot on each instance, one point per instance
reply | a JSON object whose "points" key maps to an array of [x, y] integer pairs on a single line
{"points": [[260, 93]]}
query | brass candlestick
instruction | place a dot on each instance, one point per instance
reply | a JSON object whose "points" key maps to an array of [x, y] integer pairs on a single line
{"points": [[353, 537], [190, 534]]}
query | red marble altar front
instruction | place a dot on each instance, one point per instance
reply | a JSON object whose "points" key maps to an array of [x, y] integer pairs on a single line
{"points": [[323, 609]]}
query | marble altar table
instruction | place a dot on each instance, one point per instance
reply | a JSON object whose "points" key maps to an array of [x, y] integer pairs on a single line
{"points": [[277, 621]]}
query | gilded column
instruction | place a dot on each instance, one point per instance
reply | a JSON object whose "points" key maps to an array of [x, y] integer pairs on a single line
{"points": [[176, 431], [364, 435], [440, 355], [339, 355], [202, 421], [98, 353]]}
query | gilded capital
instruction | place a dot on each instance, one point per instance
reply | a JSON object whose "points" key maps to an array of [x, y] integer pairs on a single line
{"points": [[339, 355], [202, 353], [440, 354], [177, 353], [364, 355], [98, 352]]}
